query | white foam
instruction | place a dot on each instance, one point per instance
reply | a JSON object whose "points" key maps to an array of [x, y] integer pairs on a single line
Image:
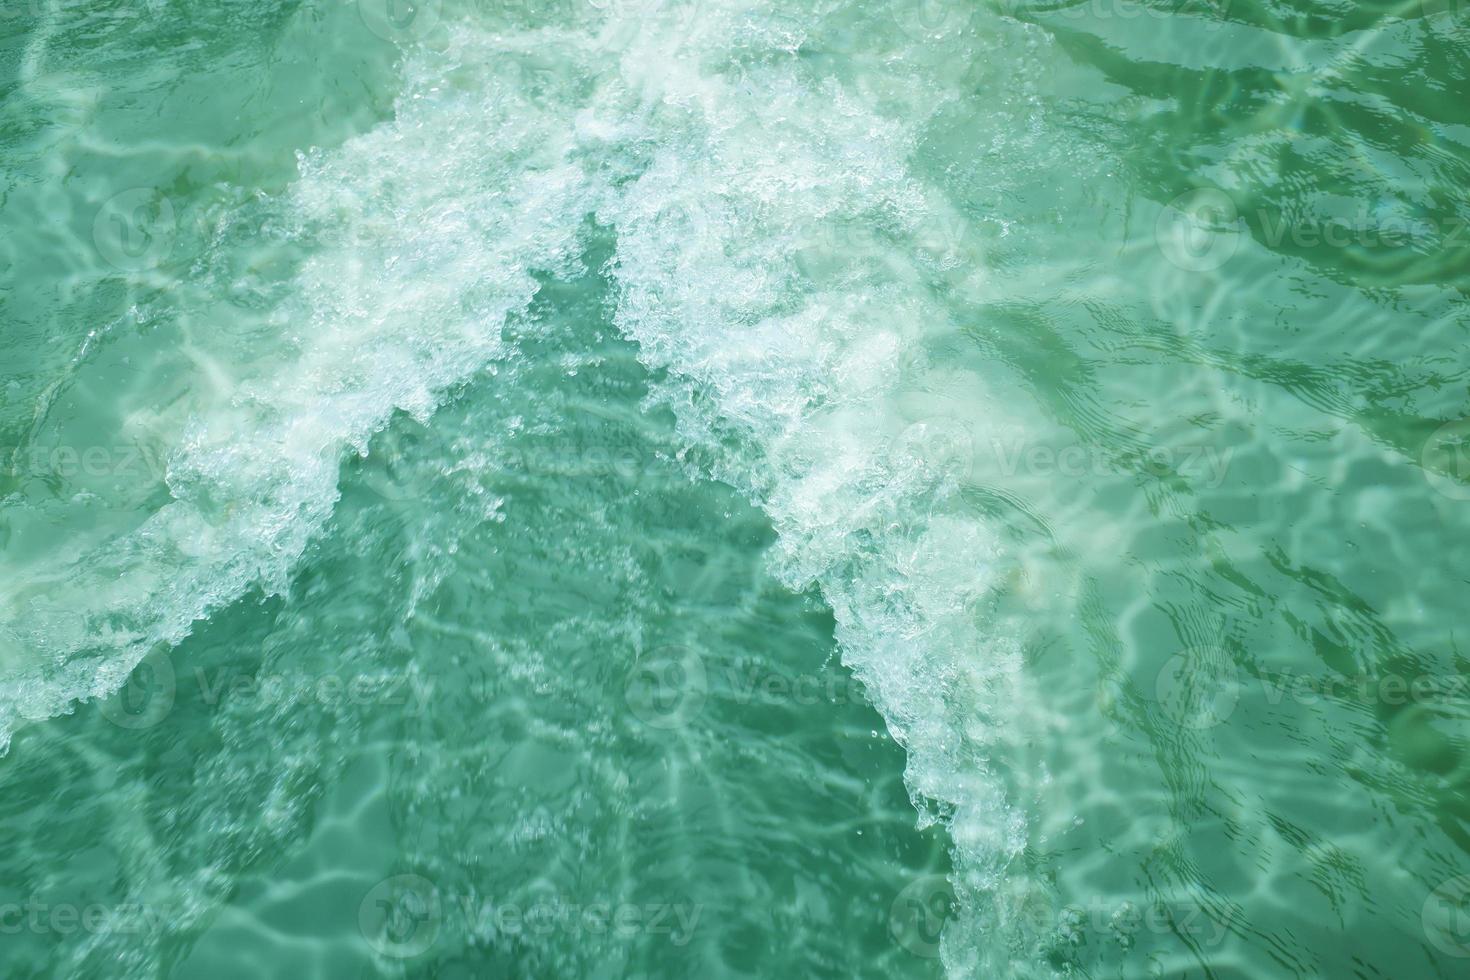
{"points": [[790, 341], [427, 232], [734, 166]]}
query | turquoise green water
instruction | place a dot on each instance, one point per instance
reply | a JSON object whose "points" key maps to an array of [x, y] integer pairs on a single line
{"points": [[652, 489]]}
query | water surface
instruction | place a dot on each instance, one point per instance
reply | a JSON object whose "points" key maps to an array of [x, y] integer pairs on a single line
{"points": [[670, 489]]}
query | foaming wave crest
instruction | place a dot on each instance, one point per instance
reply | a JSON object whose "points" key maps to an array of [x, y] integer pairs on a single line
{"points": [[423, 235], [796, 348], [735, 157]]}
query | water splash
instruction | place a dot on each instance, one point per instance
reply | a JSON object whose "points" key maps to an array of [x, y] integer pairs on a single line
{"points": [[775, 258]]}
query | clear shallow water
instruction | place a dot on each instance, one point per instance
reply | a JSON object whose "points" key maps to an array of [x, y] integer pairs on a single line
{"points": [[522, 490]]}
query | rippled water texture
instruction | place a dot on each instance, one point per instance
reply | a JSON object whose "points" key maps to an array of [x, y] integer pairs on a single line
{"points": [[719, 488]]}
